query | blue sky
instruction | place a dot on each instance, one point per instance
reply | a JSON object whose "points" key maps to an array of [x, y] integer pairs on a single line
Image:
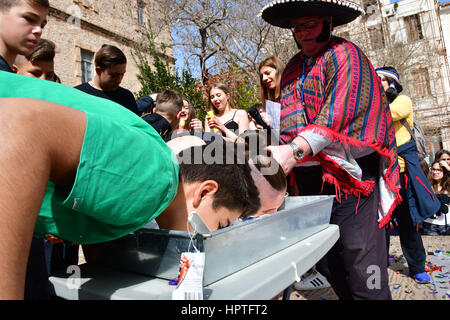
{"points": [[179, 54]]}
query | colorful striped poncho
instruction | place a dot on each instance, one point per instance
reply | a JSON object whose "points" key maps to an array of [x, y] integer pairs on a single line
{"points": [[340, 98]]}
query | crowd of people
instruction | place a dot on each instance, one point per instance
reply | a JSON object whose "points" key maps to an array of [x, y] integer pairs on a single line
{"points": [[96, 164]]}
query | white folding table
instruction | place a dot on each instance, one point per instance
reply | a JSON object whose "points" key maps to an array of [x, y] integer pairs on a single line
{"points": [[260, 281]]}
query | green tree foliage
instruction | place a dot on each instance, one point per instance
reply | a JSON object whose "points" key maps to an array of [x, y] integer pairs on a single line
{"points": [[158, 75], [246, 92]]}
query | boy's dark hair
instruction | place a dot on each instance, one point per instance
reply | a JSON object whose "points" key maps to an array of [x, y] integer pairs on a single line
{"points": [[7, 4], [108, 56], [44, 51], [169, 101], [230, 169]]}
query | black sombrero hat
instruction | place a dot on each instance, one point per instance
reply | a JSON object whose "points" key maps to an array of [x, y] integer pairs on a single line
{"points": [[281, 12]]}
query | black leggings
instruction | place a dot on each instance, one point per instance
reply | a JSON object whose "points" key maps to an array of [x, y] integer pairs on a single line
{"points": [[410, 237]]}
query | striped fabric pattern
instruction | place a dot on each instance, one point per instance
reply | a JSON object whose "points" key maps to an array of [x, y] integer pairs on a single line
{"points": [[343, 101]]}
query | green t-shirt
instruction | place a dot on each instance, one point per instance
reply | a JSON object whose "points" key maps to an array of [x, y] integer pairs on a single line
{"points": [[126, 177]]}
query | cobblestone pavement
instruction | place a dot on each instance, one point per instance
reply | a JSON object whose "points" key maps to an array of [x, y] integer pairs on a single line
{"points": [[402, 286]]}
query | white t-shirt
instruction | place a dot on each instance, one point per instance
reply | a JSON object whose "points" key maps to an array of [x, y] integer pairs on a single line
{"points": [[441, 220]]}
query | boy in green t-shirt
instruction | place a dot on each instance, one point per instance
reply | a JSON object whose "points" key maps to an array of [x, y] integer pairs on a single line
{"points": [[95, 172]]}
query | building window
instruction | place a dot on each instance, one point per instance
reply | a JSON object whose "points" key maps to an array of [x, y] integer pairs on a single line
{"points": [[141, 14], [87, 66], [421, 80], [413, 27]]}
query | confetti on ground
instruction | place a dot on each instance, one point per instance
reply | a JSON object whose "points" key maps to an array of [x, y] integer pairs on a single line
{"points": [[439, 263], [432, 267], [403, 286]]}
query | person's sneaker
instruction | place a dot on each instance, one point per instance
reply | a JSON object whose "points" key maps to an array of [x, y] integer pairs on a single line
{"points": [[312, 281], [422, 278]]}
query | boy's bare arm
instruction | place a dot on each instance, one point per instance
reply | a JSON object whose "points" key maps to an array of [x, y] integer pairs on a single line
{"points": [[40, 141]]}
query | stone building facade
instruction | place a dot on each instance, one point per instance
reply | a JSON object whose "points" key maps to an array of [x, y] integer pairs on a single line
{"points": [[80, 27]]}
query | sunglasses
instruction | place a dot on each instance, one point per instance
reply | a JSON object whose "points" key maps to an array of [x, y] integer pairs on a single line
{"points": [[306, 26]]}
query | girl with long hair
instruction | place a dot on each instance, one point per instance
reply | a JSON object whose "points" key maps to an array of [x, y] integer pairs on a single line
{"points": [[270, 71], [223, 116]]}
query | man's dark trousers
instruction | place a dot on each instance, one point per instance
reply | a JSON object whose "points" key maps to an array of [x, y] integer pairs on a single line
{"points": [[356, 265]]}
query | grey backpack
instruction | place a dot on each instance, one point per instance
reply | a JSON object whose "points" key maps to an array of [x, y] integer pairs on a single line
{"points": [[419, 137]]}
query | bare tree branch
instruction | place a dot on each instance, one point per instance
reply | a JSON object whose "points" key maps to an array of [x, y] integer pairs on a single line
{"points": [[221, 33]]}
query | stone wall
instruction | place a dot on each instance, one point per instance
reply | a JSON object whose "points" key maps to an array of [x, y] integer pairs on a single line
{"points": [[87, 24]]}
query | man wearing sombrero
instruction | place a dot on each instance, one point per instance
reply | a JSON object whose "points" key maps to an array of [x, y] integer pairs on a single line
{"points": [[338, 138]]}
